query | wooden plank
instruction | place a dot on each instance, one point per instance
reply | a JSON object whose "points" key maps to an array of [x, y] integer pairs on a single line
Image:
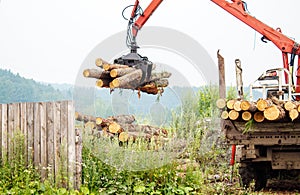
{"points": [[36, 135], [57, 141], [10, 131], [64, 142], [222, 86], [78, 151], [43, 139], [3, 127], [30, 130], [23, 127], [71, 143], [50, 137]]}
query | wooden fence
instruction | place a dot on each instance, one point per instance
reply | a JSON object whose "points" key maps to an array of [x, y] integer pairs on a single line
{"points": [[50, 141]]}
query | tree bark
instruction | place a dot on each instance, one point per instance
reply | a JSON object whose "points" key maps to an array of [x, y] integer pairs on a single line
{"points": [[109, 67], [248, 106], [103, 83], [96, 73], [100, 62], [121, 72]]}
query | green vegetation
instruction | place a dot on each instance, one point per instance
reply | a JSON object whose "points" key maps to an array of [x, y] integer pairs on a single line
{"points": [[206, 148]]}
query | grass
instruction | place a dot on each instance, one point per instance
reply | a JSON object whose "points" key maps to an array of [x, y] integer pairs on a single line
{"points": [[136, 169]]}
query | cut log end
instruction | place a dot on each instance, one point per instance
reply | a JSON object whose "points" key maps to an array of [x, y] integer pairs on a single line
{"points": [[246, 116], [293, 114], [114, 127], [233, 115], [221, 103], [99, 62], [259, 117], [224, 115], [274, 113], [123, 137], [230, 104]]}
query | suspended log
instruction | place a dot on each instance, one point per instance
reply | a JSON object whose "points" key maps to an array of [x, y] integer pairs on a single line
{"points": [[221, 103], [96, 73], [121, 72], [274, 113], [246, 115], [129, 81], [259, 117], [263, 104], [224, 115], [100, 62], [154, 87], [230, 104], [293, 114], [237, 106], [109, 67], [103, 83], [233, 115], [248, 106]]}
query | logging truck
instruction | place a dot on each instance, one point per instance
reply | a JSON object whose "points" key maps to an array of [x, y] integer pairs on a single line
{"points": [[265, 133]]}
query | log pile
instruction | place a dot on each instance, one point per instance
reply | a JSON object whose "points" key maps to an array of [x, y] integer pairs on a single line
{"points": [[261, 110], [122, 127], [122, 76]]}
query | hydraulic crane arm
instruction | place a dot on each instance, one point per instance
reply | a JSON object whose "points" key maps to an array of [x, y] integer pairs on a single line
{"points": [[139, 23], [285, 44]]}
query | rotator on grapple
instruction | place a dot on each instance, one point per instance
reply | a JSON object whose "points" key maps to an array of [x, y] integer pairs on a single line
{"points": [[137, 19]]}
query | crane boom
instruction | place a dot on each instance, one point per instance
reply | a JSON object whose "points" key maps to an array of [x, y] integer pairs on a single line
{"points": [[284, 43]]}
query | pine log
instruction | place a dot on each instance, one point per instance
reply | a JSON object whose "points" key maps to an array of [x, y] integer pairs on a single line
{"points": [[263, 104], [293, 114], [289, 105], [114, 127], [123, 137], [230, 104], [248, 106], [122, 119], [109, 67], [221, 103], [87, 118], [144, 129], [121, 71], [103, 83], [276, 101], [224, 115], [237, 106], [233, 115], [274, 113], [131, 80], [246, 115], [259, 117], [100, 62], [154, 87], [96, 73]]}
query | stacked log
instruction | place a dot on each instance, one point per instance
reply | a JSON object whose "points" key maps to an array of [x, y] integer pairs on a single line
{"points": [[123, 128], [122, 76], [261, 110]]}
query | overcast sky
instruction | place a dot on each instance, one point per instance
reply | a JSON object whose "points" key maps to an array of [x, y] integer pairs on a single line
{"points": [[48, 40]]}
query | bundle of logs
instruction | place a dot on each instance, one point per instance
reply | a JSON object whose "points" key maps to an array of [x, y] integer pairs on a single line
{"points": [[261, 110], [123, 127], [122, 76]]}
